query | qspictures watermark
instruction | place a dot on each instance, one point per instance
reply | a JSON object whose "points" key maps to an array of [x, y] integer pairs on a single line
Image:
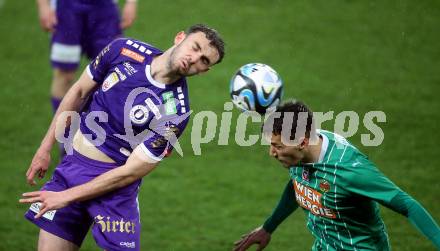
{"points": [[208, 126], [158, 119]]}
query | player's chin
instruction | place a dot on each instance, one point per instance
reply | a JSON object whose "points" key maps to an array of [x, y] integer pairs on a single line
{"points": [[284, 163], [187, 73]]}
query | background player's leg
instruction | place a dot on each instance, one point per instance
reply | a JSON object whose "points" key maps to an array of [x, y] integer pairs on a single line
{"points": [[103, 26], [50, 242], [61, 82], [65, 52]]}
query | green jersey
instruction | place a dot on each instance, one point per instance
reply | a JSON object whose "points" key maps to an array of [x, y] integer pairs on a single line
{"points": [[339, 195]]}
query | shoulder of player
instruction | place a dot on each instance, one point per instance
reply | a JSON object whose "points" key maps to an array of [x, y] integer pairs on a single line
{"points": [[139, 46], [128, 49]]}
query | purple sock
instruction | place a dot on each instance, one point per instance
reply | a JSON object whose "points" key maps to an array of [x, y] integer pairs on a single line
{"points": [[55, 103]]}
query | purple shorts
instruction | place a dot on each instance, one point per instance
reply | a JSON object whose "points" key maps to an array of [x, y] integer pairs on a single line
{"points": [[114, 217], [82, 29]]}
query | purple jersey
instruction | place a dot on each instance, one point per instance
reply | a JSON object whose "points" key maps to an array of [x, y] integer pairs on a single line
{"points": [[130, 108]]}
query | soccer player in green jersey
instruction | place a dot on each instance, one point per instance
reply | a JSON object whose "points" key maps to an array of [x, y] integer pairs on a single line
{"points": [[335, 184]]}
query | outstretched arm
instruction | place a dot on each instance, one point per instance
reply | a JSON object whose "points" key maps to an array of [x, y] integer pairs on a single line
{"points": [[47, 15], [137, 166], [368, 181], [72, 101], [285, 207], [404, 204], [128, 13]]}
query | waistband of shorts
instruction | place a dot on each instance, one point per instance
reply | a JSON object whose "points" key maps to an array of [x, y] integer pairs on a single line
{"points": [[76, 156]]}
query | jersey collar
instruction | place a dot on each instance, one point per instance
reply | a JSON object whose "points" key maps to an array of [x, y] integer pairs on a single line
{"points": [[150, 78], [324, 146]]}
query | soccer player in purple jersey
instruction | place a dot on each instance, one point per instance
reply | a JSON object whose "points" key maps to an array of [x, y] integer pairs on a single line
{"points": [[79, 27], [138, 107]]}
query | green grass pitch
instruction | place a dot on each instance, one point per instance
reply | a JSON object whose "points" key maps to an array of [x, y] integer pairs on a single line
{"points": [[334, 55]]}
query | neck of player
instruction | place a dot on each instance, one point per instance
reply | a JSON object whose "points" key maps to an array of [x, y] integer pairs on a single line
{"points": [[313, 150], [161, 72]]}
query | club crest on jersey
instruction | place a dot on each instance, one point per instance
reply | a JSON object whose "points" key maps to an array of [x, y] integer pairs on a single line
{"points": [[305, 174], [324, 186], [110, 81], [131, 54], [139, 114]]}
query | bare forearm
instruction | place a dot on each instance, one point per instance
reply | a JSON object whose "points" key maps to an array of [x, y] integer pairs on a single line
{"points": [[42, 2], [135, 168], [72, 101], [43, 5], [107, 182]]}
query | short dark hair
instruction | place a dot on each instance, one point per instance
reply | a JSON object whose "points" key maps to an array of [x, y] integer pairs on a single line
{"points": [[212, 35], [291, 112]]}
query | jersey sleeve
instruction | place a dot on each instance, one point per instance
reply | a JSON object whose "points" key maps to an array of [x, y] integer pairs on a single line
{"points": [[365, 179], [404, 204], [163, 136], [99, 67], [285, 207]]}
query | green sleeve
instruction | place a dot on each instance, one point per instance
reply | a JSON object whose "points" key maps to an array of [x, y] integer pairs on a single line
{"points": [[404, 204], [365, 179], [285, 207]]}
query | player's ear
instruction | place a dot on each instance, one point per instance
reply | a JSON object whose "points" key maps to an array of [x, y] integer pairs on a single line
{"points": [[179, 37], [304, 142]]}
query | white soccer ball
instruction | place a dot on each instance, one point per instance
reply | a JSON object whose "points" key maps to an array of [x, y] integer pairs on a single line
{"points": [[256, 87]]}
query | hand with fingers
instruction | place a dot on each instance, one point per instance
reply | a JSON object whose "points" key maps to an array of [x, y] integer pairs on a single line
{"points": [[39, 165], [49, 200], [128, 14], [47, 16], [258, 235]]}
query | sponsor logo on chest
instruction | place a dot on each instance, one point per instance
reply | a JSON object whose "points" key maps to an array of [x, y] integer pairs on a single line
{"points": [[129, 69], [121, 75], [310, 200]]}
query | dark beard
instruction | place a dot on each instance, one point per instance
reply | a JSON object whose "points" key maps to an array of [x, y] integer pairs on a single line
{"points": [[169, 64]]}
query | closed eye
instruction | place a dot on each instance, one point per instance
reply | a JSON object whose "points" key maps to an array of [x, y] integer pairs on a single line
{"points": [[205, 60]]}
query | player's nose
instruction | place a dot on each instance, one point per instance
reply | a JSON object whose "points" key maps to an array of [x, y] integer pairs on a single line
{"points": [[196, 56], [273, 152]]}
